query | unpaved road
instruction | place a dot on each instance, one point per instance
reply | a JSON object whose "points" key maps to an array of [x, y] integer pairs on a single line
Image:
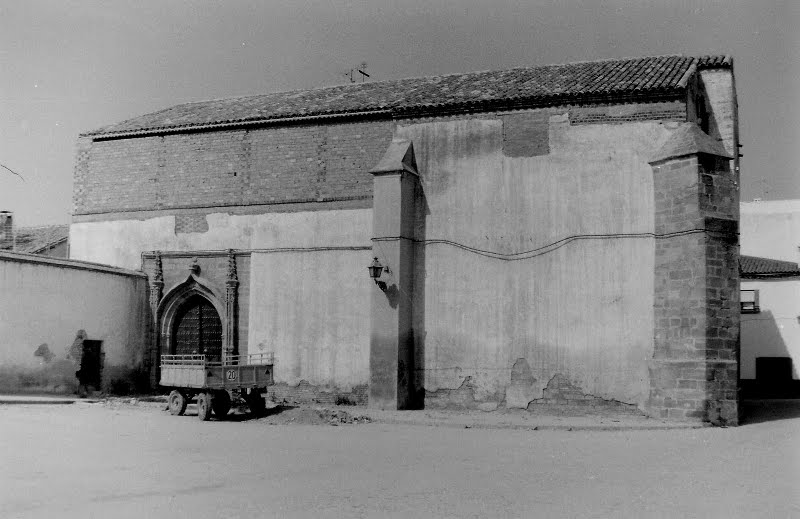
{"points": [[91, 461]]}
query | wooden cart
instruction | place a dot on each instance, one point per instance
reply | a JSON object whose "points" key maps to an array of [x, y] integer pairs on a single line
{"points": [[213, 382]]}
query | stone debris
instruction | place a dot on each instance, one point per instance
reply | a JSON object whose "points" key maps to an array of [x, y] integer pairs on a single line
{"points": [[303, 415], [340, 416]]}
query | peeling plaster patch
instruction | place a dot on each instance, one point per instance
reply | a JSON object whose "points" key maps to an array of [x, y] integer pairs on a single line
{"points": [[526, 134], [305, 393], [562, 396], [461, 398], [558, 128], [44, 352], [75, 351], [185, 223], [521, 391]]}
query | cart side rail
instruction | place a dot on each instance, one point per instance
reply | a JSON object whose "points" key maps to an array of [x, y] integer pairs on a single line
{"points": [[183, 360], [230, 360], [248, 359]]}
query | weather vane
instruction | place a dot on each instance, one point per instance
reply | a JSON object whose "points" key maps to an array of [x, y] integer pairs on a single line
{"points": [[361, 69]]}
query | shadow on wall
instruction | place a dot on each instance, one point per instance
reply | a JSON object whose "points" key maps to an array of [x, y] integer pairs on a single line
{"points": [[760, 411], [418, 297], [774, 372]]}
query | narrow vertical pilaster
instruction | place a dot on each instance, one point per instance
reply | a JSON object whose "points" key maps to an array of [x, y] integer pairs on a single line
{"points": [[231, 296], [156, 293], [395, 182]]}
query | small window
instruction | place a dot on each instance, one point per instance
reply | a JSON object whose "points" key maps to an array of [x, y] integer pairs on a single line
{"points": [[749, 302], [702, 114]]}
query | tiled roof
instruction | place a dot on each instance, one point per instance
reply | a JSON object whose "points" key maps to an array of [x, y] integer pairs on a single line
{"points": [[752, 266], [35, 239], [657, 76]]}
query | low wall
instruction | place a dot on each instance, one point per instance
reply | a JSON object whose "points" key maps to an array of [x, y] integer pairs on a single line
{"points": [[49, 306]]}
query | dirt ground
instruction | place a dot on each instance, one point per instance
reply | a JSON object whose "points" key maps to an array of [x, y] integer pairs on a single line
{"points": [[129, 458]]}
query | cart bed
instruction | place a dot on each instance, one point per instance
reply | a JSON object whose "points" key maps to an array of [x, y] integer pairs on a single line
{"points": [[234, 372]]}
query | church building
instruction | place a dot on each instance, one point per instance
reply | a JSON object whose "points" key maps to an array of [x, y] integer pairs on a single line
{"points": [[561, 236]]}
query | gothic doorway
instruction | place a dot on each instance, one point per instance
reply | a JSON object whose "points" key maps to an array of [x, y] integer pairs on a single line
{"points": [[197, 329]]}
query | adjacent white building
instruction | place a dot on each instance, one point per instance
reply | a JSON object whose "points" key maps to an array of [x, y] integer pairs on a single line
{"points": [[770, 298]]}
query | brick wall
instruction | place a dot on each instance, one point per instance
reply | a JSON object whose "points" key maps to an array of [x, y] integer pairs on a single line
{"points": [[284, 164], [186, 223], [694, 374], [6, 230], [301, 163], [305, 393], [720, 194], [578, 114]]}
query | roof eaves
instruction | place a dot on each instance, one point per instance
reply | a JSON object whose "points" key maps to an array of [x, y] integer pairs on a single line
{"points": [[231, 124], [516, 103], [49, 245], [765, 275], [714, 61]]}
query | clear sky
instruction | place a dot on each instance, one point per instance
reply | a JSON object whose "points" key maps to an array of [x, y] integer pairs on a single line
{"points": [[69, 66]]}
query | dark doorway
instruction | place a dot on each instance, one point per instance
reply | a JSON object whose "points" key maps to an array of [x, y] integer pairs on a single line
{"points": [[90, 374], [198, 329], [774, 376]]}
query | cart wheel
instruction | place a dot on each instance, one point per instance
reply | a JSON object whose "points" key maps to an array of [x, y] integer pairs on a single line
{"points": [[255, 402], [177, 403], [221, 403], [204, 406]]}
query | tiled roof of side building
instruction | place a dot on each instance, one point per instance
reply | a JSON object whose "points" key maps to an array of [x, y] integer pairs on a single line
{"points": [[36, 239], [753, 267], [656, 76]]}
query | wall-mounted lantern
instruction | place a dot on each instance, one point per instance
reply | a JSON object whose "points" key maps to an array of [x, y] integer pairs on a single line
{"points": [[375, 270]]}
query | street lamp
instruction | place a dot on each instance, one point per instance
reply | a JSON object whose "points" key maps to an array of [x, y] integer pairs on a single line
{"points": [[375, 270]]}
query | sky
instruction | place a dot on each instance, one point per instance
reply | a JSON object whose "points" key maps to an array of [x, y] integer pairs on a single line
{"points": [[68, 66]]}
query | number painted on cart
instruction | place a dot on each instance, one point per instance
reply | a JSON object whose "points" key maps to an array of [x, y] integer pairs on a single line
{"points": [[231, 375]]}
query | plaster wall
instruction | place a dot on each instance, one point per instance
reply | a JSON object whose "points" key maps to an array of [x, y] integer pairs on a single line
{"points": [[48, 301], [771, 229], [311, 308], [121, 242], [775, 331], [580, 304]]}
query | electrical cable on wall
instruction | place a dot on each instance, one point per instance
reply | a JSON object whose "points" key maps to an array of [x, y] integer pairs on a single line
{"points": [[516, 256]]}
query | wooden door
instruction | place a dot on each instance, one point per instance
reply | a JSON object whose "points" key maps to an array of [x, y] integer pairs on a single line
{"points": [[198, 329]]}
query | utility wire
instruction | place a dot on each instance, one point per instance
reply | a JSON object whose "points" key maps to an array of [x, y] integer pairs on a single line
{"points": [[12, 171], [516, 256]]}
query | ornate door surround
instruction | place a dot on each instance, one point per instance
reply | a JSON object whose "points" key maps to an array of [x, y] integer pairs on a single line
{"points": [[167, 308]]}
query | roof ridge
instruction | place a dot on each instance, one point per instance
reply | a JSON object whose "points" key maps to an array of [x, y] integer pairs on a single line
{"points": [[431, 76]]}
